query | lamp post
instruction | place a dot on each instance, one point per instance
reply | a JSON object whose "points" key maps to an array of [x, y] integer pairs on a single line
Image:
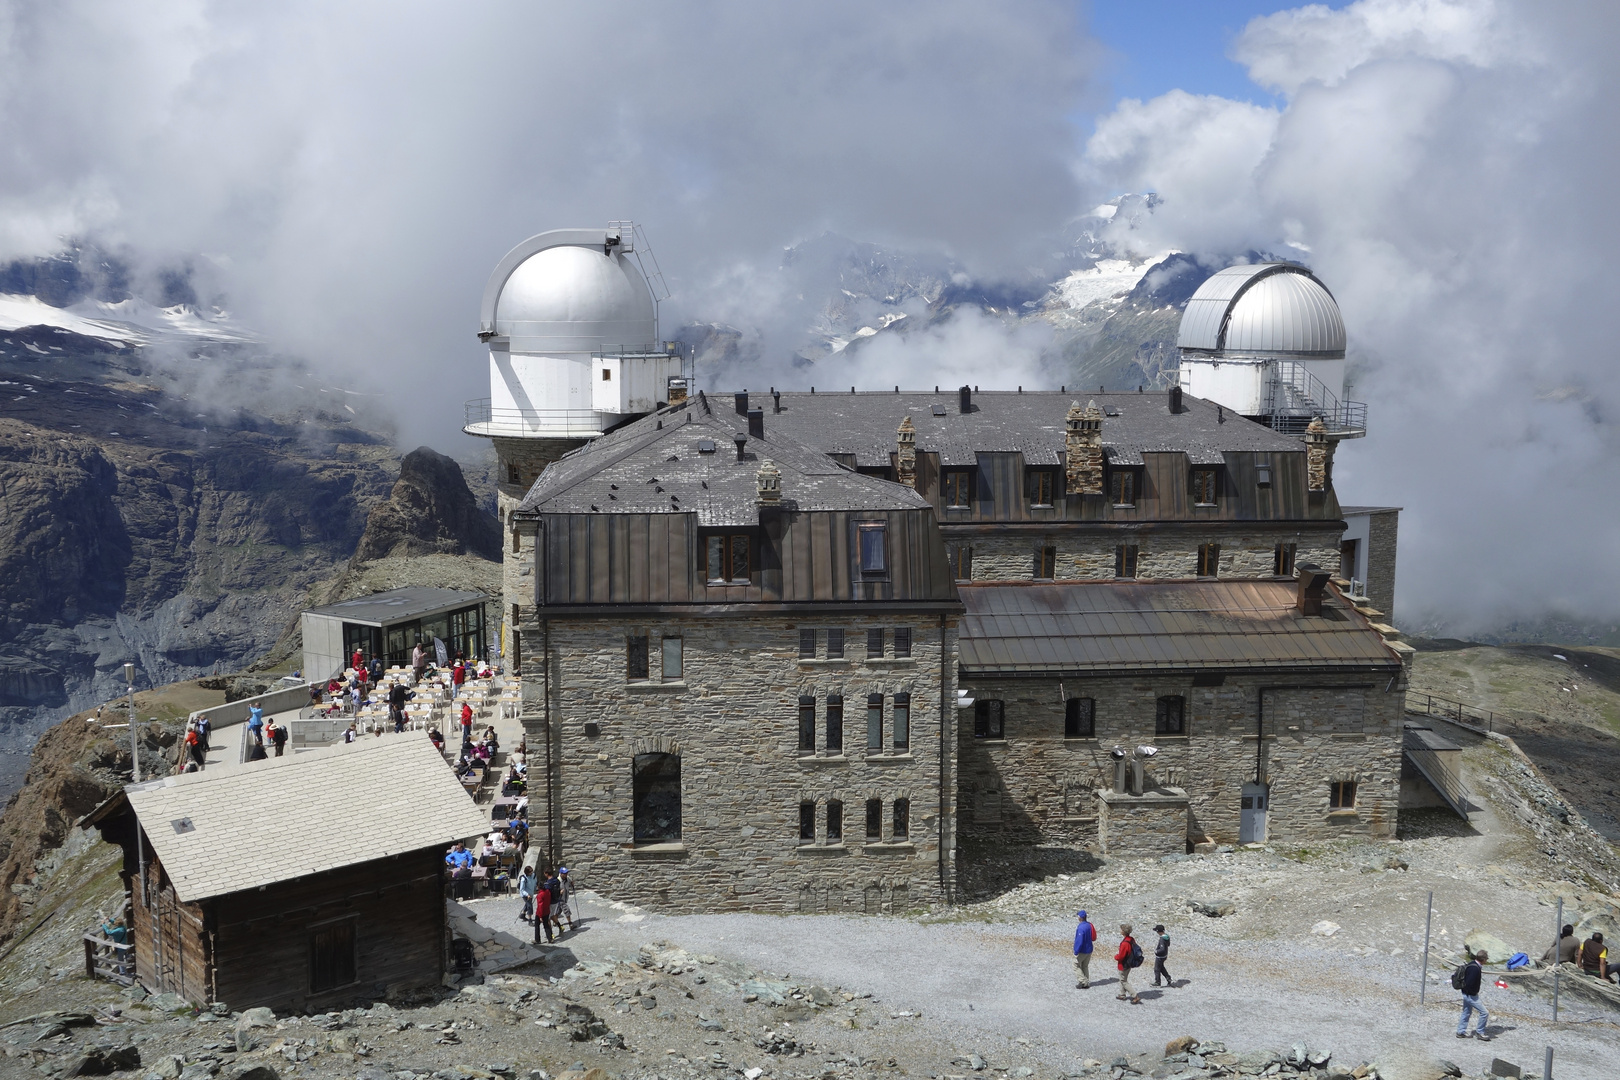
{"points": [[134, 742]]}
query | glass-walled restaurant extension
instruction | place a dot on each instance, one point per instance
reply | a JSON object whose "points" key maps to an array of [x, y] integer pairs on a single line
{"points": [[390, 624]]}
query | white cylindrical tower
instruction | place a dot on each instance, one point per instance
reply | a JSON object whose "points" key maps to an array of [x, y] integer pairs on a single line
{"points": [[572, 329], [1267, 341]]}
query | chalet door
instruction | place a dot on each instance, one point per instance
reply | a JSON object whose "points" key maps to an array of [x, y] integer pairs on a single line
{"points": [[1252, 828]]}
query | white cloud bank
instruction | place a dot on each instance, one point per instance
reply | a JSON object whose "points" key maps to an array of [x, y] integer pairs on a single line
{"points": [[1448, 169]]}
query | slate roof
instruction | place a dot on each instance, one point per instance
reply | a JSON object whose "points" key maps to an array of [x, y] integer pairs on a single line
{"points": [[1003, 421], [329, 808], [1119, 627], [397, 605], [647, 468]]}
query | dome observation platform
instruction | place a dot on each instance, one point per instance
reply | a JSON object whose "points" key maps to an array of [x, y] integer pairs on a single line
{"points": [[1267, 341]]}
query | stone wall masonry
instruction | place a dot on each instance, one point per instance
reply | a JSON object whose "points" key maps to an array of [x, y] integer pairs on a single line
{"points": [[1151, 824], [1036, 786], [1245, 552], [1382, 530], [733, 720]]}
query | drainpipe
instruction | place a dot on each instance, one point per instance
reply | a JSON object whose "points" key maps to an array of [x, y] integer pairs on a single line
{"points": [[944, 771], [545, 687]]}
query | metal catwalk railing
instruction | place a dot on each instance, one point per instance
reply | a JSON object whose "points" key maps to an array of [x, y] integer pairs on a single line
{"points": [[1295, 397], [1481, 720], [1451, 789]]}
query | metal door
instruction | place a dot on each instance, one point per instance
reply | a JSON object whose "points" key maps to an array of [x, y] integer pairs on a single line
{"points": [[1252, 830]]}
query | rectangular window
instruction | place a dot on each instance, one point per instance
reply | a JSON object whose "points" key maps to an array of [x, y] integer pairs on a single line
{"points": [[607, 374], [835, 724], [1122, 487], [960, 558], [1125, 561], [1262, 476], [331, 957], [729, 559], [1342, 795], [807, 724], [1079, 718], [902, 819], [807, 823], [835, 644], [1347, 559], [958, 488], [902, 722], [1046, 562], [1170, 717], [1039, 484], [1282, 560], [872, 542], [987, 719], [807, 644], [874, 721], [1204, 487], [874, 819], [1209, 560], [636, 659], [874, 644], [512, 474], [835, 821], [655, 781], [674, 660], [902, 642]]}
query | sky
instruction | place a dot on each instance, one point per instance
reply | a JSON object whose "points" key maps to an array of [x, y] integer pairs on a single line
{"points": [[345, 176]]}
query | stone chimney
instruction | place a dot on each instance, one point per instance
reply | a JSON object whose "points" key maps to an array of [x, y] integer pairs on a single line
{"points": [[768, 482], [1083, 456], [1318, 456], [906, 456]]}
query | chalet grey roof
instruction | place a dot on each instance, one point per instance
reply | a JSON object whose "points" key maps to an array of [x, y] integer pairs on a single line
{"points": [[660, 464], [1003, 421], [1116, 627], [399, 605], [325, 809], [1266, 308]]}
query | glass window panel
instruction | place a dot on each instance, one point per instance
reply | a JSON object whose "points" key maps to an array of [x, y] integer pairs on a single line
{"points": [[674, 660], [636, 658], [874, 643], [902, 818], [717, 558], [902, 641], [835, 644], [874, 819], [835, 724], [874, 722], [807, 724], [874, 557], [835, 822], [902, 721], [739, 558]]}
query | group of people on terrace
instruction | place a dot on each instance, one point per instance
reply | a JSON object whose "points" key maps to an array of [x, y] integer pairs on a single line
{"points": [[422, 690]]}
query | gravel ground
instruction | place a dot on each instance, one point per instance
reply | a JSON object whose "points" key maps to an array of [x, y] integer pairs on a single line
{"points": [[996, 977]]}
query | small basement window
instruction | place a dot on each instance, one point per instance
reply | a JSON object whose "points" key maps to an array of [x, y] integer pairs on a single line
{"points": [[1170, 716], [1080, 718], [1342, 795], [987, 719]]}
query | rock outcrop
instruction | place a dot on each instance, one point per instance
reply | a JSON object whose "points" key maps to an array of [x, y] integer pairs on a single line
{"points": [[431, 511]]}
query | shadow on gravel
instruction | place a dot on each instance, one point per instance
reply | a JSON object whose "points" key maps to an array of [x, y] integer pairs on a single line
{"points": [[987, 870], [556, 961], [1432, 821]]}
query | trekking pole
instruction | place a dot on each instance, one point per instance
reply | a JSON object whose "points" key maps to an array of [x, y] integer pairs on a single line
{"points": [[1428, 919], [1558, 923]]}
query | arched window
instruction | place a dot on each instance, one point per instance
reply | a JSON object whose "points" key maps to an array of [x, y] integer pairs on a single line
{"points": [[657, 784]]}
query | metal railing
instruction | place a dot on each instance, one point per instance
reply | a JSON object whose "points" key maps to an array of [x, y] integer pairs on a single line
{"points": [[483, 419], [1451, 789], [1481, 720], [1295, 397]]}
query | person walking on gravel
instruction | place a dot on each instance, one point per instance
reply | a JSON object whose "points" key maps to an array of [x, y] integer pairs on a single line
{"points": [[1128, 957], [1472, 975], [1085, 938], [1161, 953]]}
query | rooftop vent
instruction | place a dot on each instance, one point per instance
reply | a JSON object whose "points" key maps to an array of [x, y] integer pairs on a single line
{"points": [[965, 400], [741, 439], [1262, 476], [1312, 584], [742, 403], [938, 410], [705, 446], [756, 423]]}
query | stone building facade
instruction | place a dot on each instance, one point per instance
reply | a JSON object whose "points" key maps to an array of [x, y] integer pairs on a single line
{"points": [[739, 674], [1240, 691]]}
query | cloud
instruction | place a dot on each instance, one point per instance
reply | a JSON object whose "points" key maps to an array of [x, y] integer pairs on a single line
{"points": [[1445, 167], [351, 173]]}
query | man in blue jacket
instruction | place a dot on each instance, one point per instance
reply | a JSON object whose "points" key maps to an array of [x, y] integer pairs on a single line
{"points": [[1085, 936], [1473, 975]]}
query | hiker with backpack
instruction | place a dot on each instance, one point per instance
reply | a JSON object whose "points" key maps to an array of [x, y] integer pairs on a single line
{"points": [[1468, 978], [542, 914], [1128, 958], [1085, 937], [1161, 953]]}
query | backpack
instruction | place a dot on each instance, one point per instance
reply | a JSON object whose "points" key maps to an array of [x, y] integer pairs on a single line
{"points": [[554, 890], [1133, 959], [1457, 976]]}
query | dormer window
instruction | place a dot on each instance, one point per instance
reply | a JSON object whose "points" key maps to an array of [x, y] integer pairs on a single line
{"points": [[1122, 487], [1262, 476], [872, 548], [729, 559], [958, 485], [1039, 484], [1205, 486]]}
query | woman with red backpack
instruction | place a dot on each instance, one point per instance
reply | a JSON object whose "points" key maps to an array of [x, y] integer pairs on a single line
{"points": [[1128, 958]]}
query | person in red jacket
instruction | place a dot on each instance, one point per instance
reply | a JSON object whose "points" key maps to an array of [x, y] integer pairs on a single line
{"points": [[1123, 960], [542, 915]]}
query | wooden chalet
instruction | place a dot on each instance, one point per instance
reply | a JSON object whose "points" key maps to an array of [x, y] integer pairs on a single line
{"points": [[299, 883]]}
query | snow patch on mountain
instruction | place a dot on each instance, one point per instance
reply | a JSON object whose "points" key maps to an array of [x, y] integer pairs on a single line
{"points": [[125, 322], [1107, 279]]}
